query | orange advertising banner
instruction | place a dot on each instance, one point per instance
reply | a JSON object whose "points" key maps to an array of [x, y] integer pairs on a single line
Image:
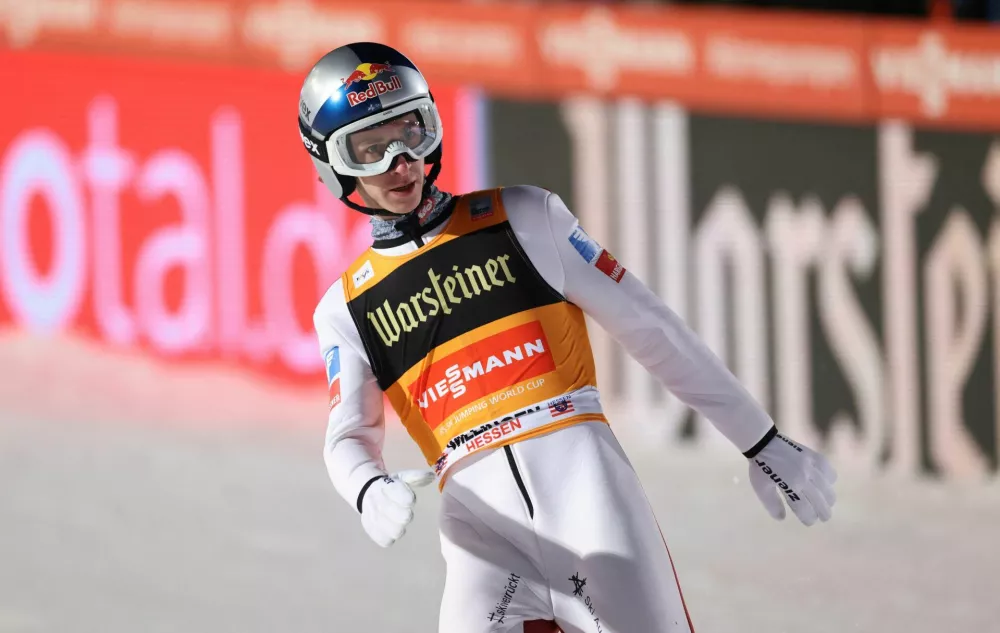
{"points": [[787, 64]]}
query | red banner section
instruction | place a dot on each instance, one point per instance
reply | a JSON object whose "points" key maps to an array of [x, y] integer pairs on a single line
{"points": [[725, 60], [171, 208]]}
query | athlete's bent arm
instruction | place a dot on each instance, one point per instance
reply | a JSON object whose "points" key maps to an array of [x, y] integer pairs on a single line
{"points": [[356, 428], [356, 422]]}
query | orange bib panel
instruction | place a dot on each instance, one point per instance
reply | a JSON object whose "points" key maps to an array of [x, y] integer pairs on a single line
{"points": [[472, 347]]}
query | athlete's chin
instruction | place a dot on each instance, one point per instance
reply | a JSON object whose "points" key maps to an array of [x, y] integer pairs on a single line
{"points": [[401, 204]]}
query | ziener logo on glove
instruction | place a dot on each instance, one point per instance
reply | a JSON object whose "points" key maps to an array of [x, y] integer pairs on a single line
{"points": [[777, 480], [789, 442]]}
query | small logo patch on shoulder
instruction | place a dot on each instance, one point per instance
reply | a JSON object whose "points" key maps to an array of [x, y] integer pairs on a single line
{"points": [[481, 208], [364, 274]]}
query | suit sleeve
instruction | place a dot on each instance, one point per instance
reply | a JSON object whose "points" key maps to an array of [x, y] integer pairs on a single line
{"points": [[649, 331], [356, 422]]}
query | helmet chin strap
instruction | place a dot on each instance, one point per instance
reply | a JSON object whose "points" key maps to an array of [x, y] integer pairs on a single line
{"points": [[406, 217]]}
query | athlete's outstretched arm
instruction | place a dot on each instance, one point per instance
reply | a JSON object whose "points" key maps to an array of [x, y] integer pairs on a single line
{"points": [[656, 337], [638, 319], [356, 428]]}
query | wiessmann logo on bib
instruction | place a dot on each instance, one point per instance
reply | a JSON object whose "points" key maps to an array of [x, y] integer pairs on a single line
{"points": [[484, 367]]}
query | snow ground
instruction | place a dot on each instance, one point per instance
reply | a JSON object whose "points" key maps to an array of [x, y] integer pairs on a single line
{"points": [[126, 528]]}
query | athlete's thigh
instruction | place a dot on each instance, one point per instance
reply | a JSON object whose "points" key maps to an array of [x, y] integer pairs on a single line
{"points": [[608, 563], [490, 586], [614, 593]]}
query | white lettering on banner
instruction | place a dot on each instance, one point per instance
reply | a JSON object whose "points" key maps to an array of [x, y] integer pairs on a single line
{"points": [[236, 333], [213, 310], [908, 352], [38, 163], [297, 225], [728, 239], [845, 243], [601, 47], [994, 255], [168, 21], [991, 185], [955, 268], [484, 44], [934, 72], [175, 173], [907, 179], [670, 201], [25, 21], [299, 31], [108, 169], [632, 201], [852, 252], [781, 64], [796, 240]]}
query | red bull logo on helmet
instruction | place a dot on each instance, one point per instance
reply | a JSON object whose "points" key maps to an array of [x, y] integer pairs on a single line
{"points": [[368, 72], [375, 89]]}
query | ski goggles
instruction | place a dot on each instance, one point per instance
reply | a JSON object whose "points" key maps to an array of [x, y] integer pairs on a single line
{"points": [[369, 146]]}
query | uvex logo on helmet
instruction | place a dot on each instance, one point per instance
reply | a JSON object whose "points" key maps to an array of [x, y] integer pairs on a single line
{"points": [[368, 72], [311, 145]]}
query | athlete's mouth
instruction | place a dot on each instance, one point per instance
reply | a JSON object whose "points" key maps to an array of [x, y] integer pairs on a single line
{"points": [[405, 189]]}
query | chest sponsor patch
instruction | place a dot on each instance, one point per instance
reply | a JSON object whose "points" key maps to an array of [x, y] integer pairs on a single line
{"points": [[595, 255], [480, 369]]}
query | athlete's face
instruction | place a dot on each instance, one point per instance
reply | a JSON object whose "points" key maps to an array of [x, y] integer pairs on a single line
{"points": [[398, 190]]}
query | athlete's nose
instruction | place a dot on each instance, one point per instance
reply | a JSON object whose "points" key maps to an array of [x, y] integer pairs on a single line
{"points": [[401, 163]]}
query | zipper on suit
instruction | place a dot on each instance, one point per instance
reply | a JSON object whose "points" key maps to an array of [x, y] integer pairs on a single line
{"points": [[519, 480]]}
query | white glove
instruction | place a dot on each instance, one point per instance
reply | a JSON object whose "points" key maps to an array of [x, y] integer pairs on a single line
{"points": [[800, 475], [387, 505]]}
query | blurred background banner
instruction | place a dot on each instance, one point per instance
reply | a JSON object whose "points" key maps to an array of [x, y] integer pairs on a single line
{"points": [[813, 185], [844, 68], [815, 194], [846, 273]]}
